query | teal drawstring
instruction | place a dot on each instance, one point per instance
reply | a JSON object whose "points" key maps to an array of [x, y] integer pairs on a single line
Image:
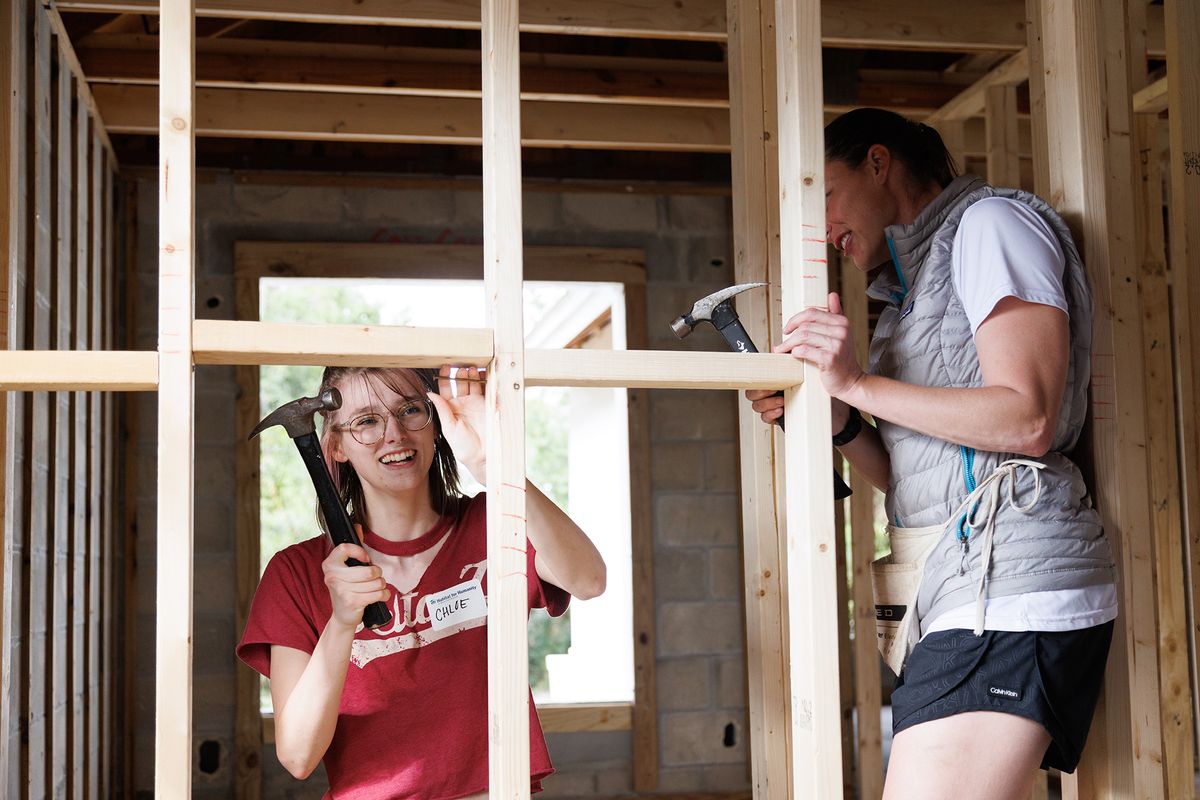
{"points": [[896, 263], [967, 454]]}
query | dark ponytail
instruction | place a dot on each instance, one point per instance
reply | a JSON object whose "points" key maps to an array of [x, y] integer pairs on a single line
{"points": [[920, 147]]}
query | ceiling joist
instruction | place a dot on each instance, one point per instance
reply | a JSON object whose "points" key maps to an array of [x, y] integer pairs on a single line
{"points": [[870, 24]]}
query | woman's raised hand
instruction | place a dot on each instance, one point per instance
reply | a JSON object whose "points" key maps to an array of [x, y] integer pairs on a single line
{"points": [[460, 406], [823, 338], [352, 589]]}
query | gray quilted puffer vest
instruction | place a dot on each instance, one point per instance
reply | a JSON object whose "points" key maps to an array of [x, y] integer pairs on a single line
{"points": [[924, 338]]}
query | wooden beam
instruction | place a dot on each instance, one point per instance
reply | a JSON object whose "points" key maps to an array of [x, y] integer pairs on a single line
{"points": [[71, 63], [660, 369], [432, 261], [85, 371], [37, 601], [503, 277], [1151, 99], [887, 24], [1166, 518], [811, 563], [1000, 117], [15, 28], [972, 100], [868, 694], [1084, 47], [753, 122], [229, 342], [377, 70], [59, 498], [641, 528], [1037, 101], [176, 401], [578, 717], [1183, 128], [376, 118]]}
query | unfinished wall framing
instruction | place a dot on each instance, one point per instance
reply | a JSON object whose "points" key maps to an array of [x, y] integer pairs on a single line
{"points": [[60, 721], [256, 260], [58, 648]]}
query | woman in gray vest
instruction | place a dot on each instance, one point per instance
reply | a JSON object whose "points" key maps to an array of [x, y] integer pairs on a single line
{"points": [[999, 593]]}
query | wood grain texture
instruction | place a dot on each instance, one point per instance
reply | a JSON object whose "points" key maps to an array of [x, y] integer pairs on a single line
{"points": [[1183, 126], [641, 528], [755, 178], [811, 565], [888, 24], [248, 718], [1003, 153], [16, 30], [176, 403], [333, 116], [508, 645], [972, 101], [38, 600], [868, 694], [60, 467], [1091, 161], [423, 261]]}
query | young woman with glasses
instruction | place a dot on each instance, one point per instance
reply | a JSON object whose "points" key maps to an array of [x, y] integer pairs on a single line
{"points": [[401, 711]]}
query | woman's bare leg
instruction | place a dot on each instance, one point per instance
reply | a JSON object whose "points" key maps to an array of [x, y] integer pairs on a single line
{"points": [[983, 755]]}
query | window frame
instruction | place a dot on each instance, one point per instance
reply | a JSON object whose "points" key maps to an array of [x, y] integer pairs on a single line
{"points": [[254, 260]]}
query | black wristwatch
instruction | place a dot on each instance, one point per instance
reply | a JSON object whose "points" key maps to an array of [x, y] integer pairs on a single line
{"points": [[851, 429]]}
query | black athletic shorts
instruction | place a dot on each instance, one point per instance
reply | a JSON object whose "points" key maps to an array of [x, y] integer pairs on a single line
{"points": [[1051, 678]]}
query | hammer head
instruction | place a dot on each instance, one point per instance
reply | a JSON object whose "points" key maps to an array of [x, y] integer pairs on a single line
{"points": [[702, 309], [296, 417]]}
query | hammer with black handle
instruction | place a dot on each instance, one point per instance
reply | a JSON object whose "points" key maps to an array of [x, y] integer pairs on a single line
{"points": [[296, 418], [717, 310]]}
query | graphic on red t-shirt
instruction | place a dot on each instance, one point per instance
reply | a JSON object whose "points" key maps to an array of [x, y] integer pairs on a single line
{"points": [[412, 723]]}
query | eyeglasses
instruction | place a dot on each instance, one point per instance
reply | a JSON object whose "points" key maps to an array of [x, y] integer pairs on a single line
{"points": [[368, 429]]}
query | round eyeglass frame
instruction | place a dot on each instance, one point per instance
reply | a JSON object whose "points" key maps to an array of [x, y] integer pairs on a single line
{"points": [[348, 427]]}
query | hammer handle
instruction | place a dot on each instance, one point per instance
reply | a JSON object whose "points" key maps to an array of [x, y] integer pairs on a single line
{"points": [[336, 519], [735, 335]]}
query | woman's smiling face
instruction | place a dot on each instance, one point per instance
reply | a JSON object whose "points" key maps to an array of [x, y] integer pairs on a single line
{"points": [[399, 461], [858, 206]]}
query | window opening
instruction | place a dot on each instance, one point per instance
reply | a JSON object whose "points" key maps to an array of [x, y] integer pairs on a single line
{"points": [[576, 452]]}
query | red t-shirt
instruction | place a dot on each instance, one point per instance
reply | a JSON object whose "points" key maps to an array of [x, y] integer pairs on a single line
{"points": [[412, 724]]}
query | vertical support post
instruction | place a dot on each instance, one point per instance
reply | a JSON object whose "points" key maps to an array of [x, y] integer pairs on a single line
{"points": [[60, 314], [868, 694], [1037, 99], [14, 33], [1183, 130], [1003, 145], [84, 627], [1084, 51], [508, 645], [38, 327], [756, 258], [176, 400], [1166, 518], [811, 564]]}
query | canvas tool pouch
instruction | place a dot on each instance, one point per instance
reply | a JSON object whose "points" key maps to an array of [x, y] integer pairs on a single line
{"points": [[896, 578]]}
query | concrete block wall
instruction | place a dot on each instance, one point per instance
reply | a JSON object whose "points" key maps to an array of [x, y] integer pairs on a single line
{"points": [[698, 583]]}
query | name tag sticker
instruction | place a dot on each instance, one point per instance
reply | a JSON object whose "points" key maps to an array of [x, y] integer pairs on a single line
{"points": [[457, 604]]}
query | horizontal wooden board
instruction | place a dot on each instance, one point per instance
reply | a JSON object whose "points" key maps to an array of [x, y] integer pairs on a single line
{"points": [[76, 370], [661, 369], [432, 261], [331, 116], [997, 25], [575, 717], [230, 342]]}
